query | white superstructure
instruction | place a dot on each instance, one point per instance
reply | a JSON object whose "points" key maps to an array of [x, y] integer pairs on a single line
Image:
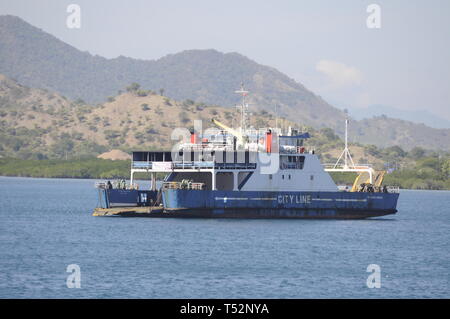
{"points": [[244, 159]]}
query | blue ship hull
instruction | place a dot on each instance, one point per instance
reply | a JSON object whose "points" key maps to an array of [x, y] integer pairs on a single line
{"points": [[251, 204]]}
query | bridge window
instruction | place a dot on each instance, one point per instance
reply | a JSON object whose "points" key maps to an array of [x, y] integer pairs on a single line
{"points": [[292, 162]]}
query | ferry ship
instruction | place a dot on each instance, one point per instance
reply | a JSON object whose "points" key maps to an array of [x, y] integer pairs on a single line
{"points": [[249, 173]]}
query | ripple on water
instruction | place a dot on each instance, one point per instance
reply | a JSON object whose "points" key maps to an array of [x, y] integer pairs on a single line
{"points": [[46, 224]]}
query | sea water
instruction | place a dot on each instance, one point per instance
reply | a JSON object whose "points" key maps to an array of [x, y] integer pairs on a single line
{"points": [[47, 227]]}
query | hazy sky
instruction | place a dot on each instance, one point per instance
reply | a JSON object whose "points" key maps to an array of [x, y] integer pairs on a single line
{"points": [[325, 45]]}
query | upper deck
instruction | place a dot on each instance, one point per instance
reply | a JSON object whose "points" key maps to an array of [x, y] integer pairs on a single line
{"points": [[193, 160], [220, 152]]}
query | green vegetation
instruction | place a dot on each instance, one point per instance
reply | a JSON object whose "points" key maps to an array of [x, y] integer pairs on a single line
{"points": [[167, 101], [428, 173], [133, 87], [85, 168], [184, 118]]}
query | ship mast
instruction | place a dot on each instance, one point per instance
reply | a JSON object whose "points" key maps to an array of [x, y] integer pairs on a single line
{"points": [[349, 166], [243, 107], [346, 152]]}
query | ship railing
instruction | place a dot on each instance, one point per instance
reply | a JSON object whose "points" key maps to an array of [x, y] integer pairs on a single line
{"points": [[183, 185], [101, 185], [211, 146], [211, 165], [288, 149], [369, 188], [171, 185], [194, 165], [235, 165], [142, 164], [340, 166], [393, 189]]}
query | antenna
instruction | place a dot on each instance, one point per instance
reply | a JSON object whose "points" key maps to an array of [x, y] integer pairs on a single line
{"points": [[346, 153], [276, 117], [244, 108]]}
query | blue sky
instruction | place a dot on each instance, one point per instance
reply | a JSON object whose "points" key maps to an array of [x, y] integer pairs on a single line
{"points": [[325, 45]]}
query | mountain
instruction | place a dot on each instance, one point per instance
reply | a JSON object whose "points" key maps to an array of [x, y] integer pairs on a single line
{"points": [[416, 116], [399, 132], [39, 60], [37, 123]]}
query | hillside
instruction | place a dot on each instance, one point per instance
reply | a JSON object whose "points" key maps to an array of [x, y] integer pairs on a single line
{"points": [[36, 123], [38, 59], [400, 132], [415, 116]]}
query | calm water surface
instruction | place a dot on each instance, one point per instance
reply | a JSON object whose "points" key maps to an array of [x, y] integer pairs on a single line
{"points": [[46, 224]]}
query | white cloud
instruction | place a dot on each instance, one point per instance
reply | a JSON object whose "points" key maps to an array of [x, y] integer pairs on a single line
{"points": [[339, 74]]}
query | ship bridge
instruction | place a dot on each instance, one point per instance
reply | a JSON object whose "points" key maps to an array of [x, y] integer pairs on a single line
{"points": [[215, 168]]}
